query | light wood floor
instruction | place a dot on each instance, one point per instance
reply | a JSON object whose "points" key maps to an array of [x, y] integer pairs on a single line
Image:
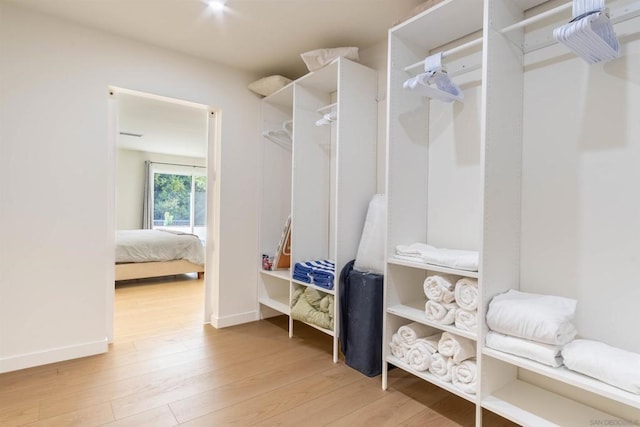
{"points": [[166, 368]]}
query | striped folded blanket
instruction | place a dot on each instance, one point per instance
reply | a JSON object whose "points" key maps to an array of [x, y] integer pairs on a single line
{"points": [[319, 272]]}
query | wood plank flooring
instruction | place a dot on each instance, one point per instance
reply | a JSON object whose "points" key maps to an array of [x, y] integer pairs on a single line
{"points": [[167, 368]]}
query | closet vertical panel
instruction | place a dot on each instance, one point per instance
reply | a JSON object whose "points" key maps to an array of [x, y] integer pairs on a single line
{"points": [[311, 177], [355, 154], [275, 202], [406, 180], [276, 179], [502, 164]]}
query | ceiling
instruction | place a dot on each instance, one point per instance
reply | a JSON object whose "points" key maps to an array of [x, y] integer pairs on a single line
{"points": [[264, 37], [164, 127], [261, 36]]}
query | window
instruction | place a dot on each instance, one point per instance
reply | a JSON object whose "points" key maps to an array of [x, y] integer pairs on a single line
{"points": [[180, 199]]}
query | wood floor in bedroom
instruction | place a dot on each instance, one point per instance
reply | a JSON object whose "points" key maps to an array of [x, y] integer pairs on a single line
{"points": [[166, 368]]}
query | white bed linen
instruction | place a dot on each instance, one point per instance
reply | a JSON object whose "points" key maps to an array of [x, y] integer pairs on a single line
{"points": [[157, 245]]}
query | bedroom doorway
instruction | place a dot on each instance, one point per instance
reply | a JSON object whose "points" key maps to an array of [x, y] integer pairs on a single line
{"points": [[162, 154]]}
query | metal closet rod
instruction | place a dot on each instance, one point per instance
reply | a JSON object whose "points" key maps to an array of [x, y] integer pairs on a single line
{"points": [[177, 164]]}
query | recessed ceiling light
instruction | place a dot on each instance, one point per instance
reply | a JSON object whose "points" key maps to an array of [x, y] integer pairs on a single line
{"points": [[217, 5]]}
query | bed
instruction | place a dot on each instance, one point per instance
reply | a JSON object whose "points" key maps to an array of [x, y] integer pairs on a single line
{"points": [[155, 253]]}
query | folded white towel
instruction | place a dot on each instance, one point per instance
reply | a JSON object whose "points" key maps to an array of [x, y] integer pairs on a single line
{"points": [[466, 320], [463, 376], [445, 314], [419, 356], [452, 258], [541, 318], [458, 348], [543, 353], [466, 293], [398, 347], [439, 288], [441, 367], [611, 365], [409, 333]]}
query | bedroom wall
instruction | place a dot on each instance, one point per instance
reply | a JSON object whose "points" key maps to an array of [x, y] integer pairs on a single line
{"points": [[130, 183], [55, 233]]}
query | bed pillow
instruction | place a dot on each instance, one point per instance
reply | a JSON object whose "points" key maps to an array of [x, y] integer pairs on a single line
{"points": [[316, 59], [268, 85]]}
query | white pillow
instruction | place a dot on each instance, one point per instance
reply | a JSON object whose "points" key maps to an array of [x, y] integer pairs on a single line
{"points": [[268, 85], [370, 255], [316, 59]]}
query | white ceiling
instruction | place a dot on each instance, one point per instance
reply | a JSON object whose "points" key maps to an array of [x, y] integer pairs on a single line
{"points": [[261, 36], [165, 127]]}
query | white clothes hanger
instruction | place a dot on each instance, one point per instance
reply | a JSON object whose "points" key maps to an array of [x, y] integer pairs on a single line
{"points": [[590, 33], [434, 82], [279, 136]]}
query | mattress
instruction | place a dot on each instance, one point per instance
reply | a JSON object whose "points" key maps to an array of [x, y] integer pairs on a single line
{"points": [[157, 245]]}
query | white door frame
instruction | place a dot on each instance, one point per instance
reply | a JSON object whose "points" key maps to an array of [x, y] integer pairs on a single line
{"points": [[213, 199]]}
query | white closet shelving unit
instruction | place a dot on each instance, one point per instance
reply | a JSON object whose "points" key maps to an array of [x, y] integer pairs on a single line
{"points": [[458, 177], [328, 181]]}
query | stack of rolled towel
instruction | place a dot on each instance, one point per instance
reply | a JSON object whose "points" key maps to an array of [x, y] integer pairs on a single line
{"points": [[532, 326], [452, 301], [448, 357], [320, 272]]}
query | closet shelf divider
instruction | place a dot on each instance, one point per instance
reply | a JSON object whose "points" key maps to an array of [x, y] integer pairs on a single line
{"points": [[415, 311]]}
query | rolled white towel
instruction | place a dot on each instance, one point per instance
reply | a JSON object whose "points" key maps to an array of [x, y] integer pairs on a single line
{"points": [[466, 320], [419, 356], [445, 314], [398, 347], [430, 343], [466, 293], [614, 366], [439, 288], [543, 353], [541, 318], [463, 376], [458, 348], [441, 367], [409, 333]]}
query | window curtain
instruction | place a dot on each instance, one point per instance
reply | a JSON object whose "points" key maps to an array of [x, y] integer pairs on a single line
{"points": [[147, 200]]}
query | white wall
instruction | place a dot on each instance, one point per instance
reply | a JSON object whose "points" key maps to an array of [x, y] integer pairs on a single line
{"points": [[130, 183], [580, 203], [56, 248]]}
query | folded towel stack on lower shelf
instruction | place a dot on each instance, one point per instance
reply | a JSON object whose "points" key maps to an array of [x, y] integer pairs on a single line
{"points": [[448, 357]]}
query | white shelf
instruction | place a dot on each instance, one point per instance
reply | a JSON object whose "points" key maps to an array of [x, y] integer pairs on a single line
{"points": [[414, 310], [278, 303], [280, 274], [427, 376], [326, 331], [567, 376], [529, 405], [431, 267], [462, 18], [311, 285]]}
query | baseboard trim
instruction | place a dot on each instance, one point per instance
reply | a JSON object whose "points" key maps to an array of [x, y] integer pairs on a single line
{"points": [[29, 360], [235, 319]]}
